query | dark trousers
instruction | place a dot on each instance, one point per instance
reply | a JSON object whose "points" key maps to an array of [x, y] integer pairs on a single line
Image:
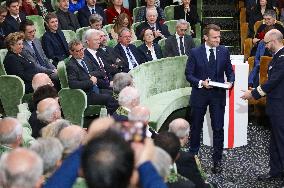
{"points": [[99, 99], [276, 148], [217, 110]]}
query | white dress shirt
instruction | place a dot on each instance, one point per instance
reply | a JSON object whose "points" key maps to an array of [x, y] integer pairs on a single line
{"points": [[178, 41]]}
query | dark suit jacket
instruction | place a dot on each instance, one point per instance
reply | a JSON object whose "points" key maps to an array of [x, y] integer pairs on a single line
{"points": [[191, 17], [274, 86], [11, 25], [29, 53], [139, 58], [53, 50], [67, 21], [144, 50], [19, 66], [47, 5], [196, 70], [144, 25], [84, 14], [172, 49]]}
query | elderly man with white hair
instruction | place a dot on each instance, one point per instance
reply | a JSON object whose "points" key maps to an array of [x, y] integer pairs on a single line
{"points": [[128, 98], [21, 168], [83, 75], [41, 79], [160, 30]]}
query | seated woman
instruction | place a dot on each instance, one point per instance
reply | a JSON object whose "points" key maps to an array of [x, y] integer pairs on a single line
{"points": [[3, 14], [151, 51], [96, 21], [122, 21], [115, 10], [29, 7], [75, 5], [188, 12], [141, 14], [15, 64], [44, 7]]}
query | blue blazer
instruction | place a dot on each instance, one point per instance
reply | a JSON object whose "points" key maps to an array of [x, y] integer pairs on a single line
{"points": [[138, 56], [84, 14], [52, 49], [144, 50], [196, 70]]}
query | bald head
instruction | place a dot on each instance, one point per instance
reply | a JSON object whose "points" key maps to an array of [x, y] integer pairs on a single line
{"points": [[180, 128], [71, 138], [139, 113], [21, 168], [273, 40], [129, 97], [41, 79], [10, 132], [48, 110]]}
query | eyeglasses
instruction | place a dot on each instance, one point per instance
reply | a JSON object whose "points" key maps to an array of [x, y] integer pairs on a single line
{"points": [[80, 50], [183, 30], [33, 31], [3, 15]]}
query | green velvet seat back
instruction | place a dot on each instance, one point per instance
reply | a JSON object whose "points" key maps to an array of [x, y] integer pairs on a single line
{"points": [[108, 27], [12, 91], [73, 103], [62, 74], [80, 32], [69, 35], [169, 12], [197, 41], [134, 25], [112, 43], [39, 24], [135, 12], [160, 76], [162, 44], [137, 42], [198, 31], [3, 53]]}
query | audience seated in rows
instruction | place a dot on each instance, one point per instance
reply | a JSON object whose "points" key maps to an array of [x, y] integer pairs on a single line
{"points": [[152, 51], [150, 4], [89, 9], [160, 30], [116, 9], [180, 43], [53, 40], [127, 51], [3, 14], [82, 74]]}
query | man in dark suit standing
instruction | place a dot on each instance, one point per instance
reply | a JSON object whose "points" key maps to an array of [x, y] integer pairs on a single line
{"points": [[180, 43], [273, 88], [209, 62], [67, 20], [127, 51], [81, 75], [14, 17], [85, 12]]}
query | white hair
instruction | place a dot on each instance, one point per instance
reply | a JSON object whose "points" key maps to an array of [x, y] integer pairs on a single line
{"points": [[162, 162], [47, 115], [127, 96], [87, 35], [14, 134], [151, 10], [179, 127]]}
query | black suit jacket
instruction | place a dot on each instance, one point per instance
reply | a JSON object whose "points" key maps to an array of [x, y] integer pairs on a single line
{"points": [[139, 58], [84, 14], [144, 25], [19, 66], [11, 25], [191, 17], [144, 50], [172, 49], [65, 22], [52, 49]]}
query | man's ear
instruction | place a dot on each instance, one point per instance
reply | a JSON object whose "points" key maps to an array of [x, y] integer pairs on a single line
{"points": [[205, 37]]}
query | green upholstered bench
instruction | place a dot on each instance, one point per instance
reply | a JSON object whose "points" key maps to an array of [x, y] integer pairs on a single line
{"points": [[162, 87]]}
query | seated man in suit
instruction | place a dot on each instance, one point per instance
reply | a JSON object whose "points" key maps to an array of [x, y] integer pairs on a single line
{"points": [[67, 20], [115, 62], [180, 43], [3, 14], [14, 17], [81, 75], [92, 43], [34, 53], [85, 12], [53, 40], [160, 30], [127, 51]]}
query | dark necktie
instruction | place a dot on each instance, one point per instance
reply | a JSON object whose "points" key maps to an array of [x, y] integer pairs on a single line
{"points": [[102, 68], [18, 20], [181, 47], [38, 57], [85, 66], [132, 61], [211, 56], [95, 88], [93, 11]]}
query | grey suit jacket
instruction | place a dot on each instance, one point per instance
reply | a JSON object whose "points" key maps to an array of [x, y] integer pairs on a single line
{"points": [[29, 53], [172, 49]]}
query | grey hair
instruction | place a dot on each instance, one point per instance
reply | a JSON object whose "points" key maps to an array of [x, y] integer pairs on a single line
{"points": [[50, 149], [275, 34], [271, 13], [154, 10], [124, 29], [138, 117], [162, 162], [12, 136], [182, 22], [121, 80], [73, 43], [95, 18], [20, 178], [87, 35], [127, 95], [53, 129], [47, 115], [179, 127]]}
